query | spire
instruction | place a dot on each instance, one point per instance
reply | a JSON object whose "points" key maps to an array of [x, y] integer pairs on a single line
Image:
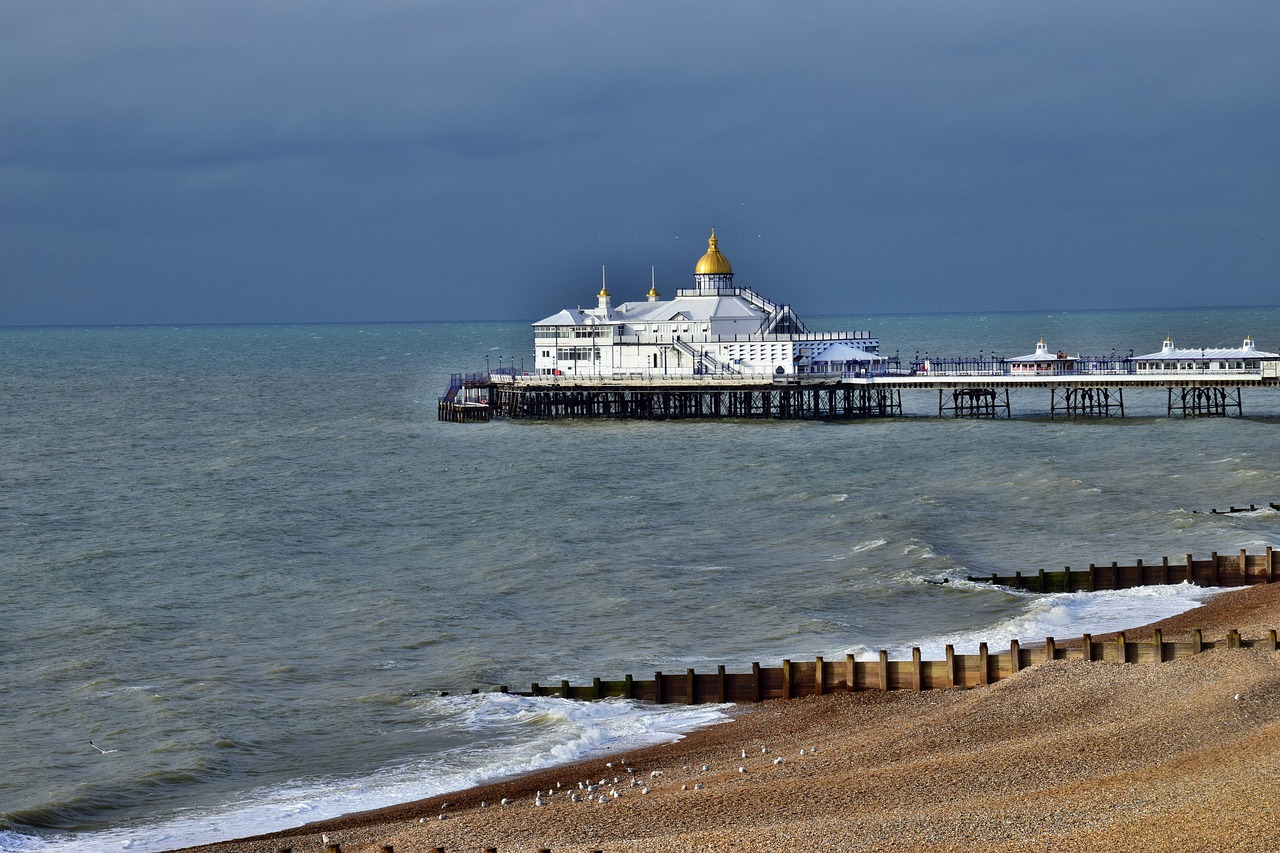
{"points": [[653, 294]]}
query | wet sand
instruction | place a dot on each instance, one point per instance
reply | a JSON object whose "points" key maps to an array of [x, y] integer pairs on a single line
{"points": [[1064, 756]]}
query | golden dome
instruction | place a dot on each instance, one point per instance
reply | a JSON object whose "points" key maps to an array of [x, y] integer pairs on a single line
{"points": [[713, 263]]}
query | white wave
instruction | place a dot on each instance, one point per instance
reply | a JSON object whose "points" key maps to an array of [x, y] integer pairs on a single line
{"points": [[516, 735], [1064, 615]]}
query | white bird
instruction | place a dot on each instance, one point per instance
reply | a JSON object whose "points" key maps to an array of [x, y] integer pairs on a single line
{"points": [[705, 768], [763, 750], [744, 752], [1238, 698], [644, 790], [102, 751], [697, 787], [742, 770], [778, 760], [506, 801]]}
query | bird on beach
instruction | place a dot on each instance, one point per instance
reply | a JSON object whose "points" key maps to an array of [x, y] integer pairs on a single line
{"points": [[102, 751]]}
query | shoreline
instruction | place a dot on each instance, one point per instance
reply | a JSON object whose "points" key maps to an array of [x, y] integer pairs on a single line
{"points": [[1178, 761]]}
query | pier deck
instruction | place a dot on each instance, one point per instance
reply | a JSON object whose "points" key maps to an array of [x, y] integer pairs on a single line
{"points": [[834, 397]]}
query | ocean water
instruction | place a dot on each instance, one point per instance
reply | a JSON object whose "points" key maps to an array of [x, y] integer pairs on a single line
{"points": [[248, 560]]}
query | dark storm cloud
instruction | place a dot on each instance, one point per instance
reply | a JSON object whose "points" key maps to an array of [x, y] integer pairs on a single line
{"points": [[391, 160]]}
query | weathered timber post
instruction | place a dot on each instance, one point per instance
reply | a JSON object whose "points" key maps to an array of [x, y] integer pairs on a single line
{"points": [[535, 690], [333, 848], [387, 848], [1157, 644], [564, 688], [1216, 563], [1122, 643], [1066, 579], [917, 679], [755, 682], [1044, 587], [597, 687], [1086, 642], [1191, 569], [631, 686], [1271, 564], [1017, 580], [951, 665], [851, 665], [984, 677], [1244, 566], [1271, 640], [1050, 650], [1197, 642], [1015, 657], [818, 684], [658, 698], [1093, 578], [720, 681], [689, 685], [1233, 639], [786, 679], [1115, 576], [1164, 571], [1142, 574], [884, 670]]}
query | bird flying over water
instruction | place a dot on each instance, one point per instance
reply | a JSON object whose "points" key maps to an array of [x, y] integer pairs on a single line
{"points": [[102, 751]]}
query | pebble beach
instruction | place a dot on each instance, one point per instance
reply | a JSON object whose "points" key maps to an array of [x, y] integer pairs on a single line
{"points": [[1063, 756]]}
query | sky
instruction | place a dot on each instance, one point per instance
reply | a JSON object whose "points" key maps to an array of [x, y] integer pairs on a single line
{"points": [[281, 161]]}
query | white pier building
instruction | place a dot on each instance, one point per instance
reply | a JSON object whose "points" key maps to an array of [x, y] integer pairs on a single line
{"points": [[714, 328]]}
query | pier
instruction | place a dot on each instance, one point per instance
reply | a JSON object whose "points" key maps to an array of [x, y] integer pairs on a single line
{"points": [[826, 397]]}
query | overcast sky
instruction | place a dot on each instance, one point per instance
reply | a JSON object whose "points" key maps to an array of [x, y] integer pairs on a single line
{"points": [[258, 161]]}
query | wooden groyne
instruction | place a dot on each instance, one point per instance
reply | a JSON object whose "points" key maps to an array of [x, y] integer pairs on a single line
{"points": [[1243, 569], [819, 676]]}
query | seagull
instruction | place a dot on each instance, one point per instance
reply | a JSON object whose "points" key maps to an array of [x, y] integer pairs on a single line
{"points": [[778, 760], [102, 751]]}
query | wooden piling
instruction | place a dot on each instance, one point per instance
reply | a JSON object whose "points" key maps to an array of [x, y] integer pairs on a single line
{"points": [[884, 669]]}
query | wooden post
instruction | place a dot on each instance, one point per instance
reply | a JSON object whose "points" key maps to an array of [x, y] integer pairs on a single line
{"points": [[1271, 564], [884, 670], [917, 677], [564, 688], [818, 676], [1044, 587], [1123, 644], [1115, 576], [658, 698], [1191, 569], [851, 664], [1244, 566], [755, 682], [1164, 571], [1093, 578], [1197, 642], [598, 687], [1157, 644], [951, 665], [1015, 654], [1214, 557], [1142, 574], [690, 683], [1066, 579], [786, 679], [984, 677], [1050, 650], [1086, 642], [720, 680], [1233, 639], [333, 847], [1271, 640], [631, 686], [1017, 580]]}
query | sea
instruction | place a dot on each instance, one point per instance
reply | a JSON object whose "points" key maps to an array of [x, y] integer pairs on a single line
{"points": [[250, 581]]}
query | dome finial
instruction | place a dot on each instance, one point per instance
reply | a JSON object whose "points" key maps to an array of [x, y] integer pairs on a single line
{"points": [[713, 262]]}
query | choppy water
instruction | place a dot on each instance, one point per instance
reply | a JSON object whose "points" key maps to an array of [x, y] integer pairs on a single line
{"points": [[248, 559]]}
